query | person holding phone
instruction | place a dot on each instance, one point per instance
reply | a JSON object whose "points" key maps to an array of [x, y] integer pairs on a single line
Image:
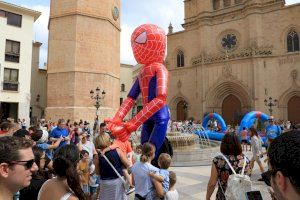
{"points": [[60, 131]]}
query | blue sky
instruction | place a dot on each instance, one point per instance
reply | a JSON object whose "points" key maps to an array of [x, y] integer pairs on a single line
{"points": [[133, 13]]}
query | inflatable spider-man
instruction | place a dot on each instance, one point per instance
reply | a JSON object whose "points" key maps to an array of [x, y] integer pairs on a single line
{"points": [[149, 45]]}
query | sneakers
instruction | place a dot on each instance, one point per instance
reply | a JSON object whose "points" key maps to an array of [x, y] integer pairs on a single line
{"points": [[130, 190]]}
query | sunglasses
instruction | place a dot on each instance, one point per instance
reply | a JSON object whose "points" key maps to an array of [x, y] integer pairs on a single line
{"points": [[28, 163], [266, 176]]}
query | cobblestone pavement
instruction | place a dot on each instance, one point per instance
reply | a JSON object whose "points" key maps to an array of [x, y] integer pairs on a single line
{"points": [[192, 181]]}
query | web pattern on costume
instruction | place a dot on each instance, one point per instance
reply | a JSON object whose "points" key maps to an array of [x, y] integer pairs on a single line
{"points": [[125, 107], [153, 50], [146, 74]]}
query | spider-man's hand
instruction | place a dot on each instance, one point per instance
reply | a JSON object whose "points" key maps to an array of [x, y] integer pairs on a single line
{"points": [[124, 131], [112, 123]]}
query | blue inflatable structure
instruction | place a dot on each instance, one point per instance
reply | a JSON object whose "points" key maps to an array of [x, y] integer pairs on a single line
{"points": [[247, 122], [217, 117], [249, 119], [212, 135]]}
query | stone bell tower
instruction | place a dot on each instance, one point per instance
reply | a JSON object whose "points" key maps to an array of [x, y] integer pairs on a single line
{"points": [[83, 53]]}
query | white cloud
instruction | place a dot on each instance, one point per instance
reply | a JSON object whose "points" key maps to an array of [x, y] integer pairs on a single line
{"points": [[126, 52], [289, 2], [156, 12], [40, 31], [134, 13]]}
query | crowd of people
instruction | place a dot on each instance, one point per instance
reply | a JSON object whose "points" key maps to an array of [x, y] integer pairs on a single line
{"points": [[68, 161], [78, 163]]}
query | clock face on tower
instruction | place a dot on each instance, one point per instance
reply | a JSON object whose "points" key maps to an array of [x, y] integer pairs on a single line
{"points": [[115, 13]]}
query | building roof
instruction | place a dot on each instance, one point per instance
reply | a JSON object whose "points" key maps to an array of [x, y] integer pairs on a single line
{"points": [[126, 65], [20, 10]]}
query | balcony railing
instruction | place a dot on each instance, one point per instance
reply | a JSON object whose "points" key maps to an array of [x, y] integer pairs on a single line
{"points": [[12, 57], [10, 86]]}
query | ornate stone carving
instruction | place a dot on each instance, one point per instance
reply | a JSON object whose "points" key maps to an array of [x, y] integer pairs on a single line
{"points": [[179, 84], [170, 28], [227, 70], [245, 53], [294, 74], [289, 60], [197, 60]]}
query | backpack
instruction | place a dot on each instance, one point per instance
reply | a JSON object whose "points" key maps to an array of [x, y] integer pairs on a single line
{"points": [[237, 184]]}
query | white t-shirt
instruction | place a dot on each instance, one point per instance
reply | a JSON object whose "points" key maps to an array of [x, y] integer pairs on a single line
{"points": [[172, 195], [89, 147]]}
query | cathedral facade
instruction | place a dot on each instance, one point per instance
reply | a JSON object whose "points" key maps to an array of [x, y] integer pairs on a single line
{"points": [[232, 56]]}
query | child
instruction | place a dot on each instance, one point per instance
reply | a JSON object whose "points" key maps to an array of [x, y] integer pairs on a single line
{"points": [[172, 194], [244, 138], [164, 162], [84, 171], [93, 180], [137, 153]]}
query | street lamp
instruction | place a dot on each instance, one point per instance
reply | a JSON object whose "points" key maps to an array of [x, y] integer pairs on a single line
{"points": [[270, 103], [97, 97]]}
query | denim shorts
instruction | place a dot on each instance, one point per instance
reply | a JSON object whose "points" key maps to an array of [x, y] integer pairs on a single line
{"points": [[93, 190], [86, 189]]}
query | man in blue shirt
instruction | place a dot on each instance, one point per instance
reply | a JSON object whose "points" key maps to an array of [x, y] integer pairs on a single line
{"points": [[272, 130], [60, 131]]}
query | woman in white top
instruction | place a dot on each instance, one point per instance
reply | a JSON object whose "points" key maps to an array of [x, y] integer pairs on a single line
{"points": [[66, 186], [256, 145]]}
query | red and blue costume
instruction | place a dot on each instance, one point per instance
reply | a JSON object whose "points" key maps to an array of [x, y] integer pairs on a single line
{"points": [[149, 45]]}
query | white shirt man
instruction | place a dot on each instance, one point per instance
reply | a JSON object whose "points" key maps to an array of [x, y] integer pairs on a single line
{"points": [[85, 144]]}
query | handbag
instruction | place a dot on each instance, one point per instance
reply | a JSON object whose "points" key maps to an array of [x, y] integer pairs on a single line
{"points": [[125, 183]]}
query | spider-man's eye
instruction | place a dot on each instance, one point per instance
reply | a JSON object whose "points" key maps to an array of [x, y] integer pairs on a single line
{"points": [[141, 38]]}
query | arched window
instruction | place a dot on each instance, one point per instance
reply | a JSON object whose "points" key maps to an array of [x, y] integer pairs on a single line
{"points": [[227, 3], [122, 87], [292, 41], [180, 59], [216, 4]]}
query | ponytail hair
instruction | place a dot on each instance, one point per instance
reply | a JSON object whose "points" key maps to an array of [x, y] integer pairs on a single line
{"points": [[148, 150], [65, 163]]}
